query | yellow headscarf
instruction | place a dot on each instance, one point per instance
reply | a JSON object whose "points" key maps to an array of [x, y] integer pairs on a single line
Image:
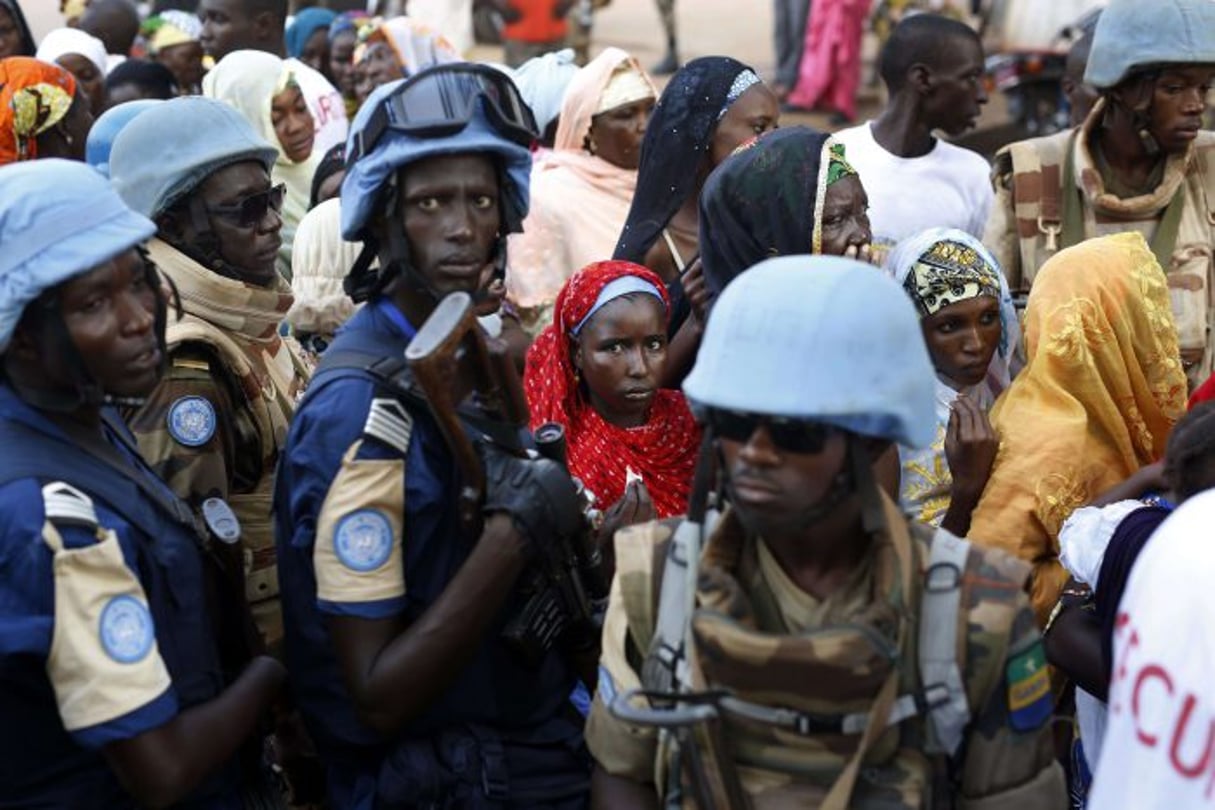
{"points": [[1096, 401]]}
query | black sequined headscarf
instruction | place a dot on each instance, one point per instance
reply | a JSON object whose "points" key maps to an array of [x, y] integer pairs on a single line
{"points": [[677, 143]]}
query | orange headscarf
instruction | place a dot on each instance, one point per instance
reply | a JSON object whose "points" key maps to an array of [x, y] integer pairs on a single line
{"points": [[1096, 401], [34, 96]]}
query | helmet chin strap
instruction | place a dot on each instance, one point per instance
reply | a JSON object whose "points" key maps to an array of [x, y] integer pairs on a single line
{"points": [[1141, 117]]}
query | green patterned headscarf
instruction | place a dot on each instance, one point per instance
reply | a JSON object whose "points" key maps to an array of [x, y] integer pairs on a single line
{"points": [[832, 168]]}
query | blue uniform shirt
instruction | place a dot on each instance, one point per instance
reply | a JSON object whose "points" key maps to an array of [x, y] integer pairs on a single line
{"points": [[71, 681], [387, 526]]}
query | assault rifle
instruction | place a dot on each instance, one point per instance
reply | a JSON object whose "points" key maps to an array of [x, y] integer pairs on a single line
{"points": [[475, 396]]}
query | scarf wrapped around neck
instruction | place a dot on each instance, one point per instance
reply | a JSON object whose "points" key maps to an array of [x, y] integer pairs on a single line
{"points": [[662, 451], [251, 313]]}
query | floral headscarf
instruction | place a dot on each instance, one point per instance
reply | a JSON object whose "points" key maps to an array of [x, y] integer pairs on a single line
{"points": [[1096, 401], [34, 96], [662, 451], [415, 44]]}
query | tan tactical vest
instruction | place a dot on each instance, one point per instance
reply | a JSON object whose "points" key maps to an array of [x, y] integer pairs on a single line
{"points": [[1033, 172], [830, 679], [269, 402]]}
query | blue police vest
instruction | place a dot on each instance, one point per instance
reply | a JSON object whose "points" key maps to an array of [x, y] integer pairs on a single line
{"points": [[61, 773], [494, 702]]}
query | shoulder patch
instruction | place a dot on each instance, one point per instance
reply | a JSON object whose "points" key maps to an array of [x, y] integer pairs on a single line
{"points": [[1029, 698], [362, 540], [191, 421], [126, 629]]}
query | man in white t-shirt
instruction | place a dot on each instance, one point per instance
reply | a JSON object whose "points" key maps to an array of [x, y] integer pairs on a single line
{"points": [[233, 25], [933, 70], [1159, 748]]}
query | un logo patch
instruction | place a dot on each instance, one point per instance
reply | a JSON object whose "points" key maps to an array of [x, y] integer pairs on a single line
{"points": [[127, 633], [363, 540], [191, 421]]}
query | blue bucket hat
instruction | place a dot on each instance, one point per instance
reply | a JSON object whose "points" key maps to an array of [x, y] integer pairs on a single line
{"points": [[106, 128], [58, 219], [167, 151], [820, 338], [1133, 34]]}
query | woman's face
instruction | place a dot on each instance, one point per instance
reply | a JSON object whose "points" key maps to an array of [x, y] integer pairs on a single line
{"points": [[620, 354], [962, 338], [755, 112], [10, 35], [316, 51], [293, 124], [845, 217], [616, 134], [341, 62], [378, 66], [90, 79]]}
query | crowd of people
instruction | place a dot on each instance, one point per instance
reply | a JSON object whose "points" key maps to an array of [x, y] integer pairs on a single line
{"points": [[384, 429]]}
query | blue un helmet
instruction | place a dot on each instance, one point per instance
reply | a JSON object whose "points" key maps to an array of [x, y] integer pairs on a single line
{"points": [[1135, 35], [58, 220], [820, 339], [106, 128], [444, 110]]}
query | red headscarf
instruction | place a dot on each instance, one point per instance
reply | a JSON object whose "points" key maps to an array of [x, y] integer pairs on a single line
{"points": [[662, 451], [34, 96], [1204, 393]]}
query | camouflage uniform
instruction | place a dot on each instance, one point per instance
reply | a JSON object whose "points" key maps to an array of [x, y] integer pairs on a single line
{"points": [[820, 666], [1029, 221], [214, 425]]}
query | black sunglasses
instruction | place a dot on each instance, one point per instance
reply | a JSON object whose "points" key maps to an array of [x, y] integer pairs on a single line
{"points": [[441, 100], [790, 435], [248, 212]]}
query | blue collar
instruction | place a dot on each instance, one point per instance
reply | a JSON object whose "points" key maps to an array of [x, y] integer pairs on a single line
{"points": [[396, 317]]}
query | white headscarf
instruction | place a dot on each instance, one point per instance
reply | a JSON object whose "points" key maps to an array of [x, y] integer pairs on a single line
{"points": [[319, 262], [63, 41], [542, 82]]}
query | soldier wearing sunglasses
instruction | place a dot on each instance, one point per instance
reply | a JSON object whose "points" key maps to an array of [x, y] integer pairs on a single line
{"points": [[213, 426], [394, 610], [827, 653]]}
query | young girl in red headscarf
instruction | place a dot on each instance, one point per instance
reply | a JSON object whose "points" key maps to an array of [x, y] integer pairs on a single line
{"points": [[596, 371]]}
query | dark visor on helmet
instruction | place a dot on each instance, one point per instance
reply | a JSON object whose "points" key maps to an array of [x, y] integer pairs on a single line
{"points": [[442, 100]]}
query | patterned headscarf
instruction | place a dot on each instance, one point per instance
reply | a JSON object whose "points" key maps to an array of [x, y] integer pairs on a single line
{"points": [[1095, 402], [662, 451], [949, 272], [34, 96], [766, 200], [169, 28], [415, 44]]}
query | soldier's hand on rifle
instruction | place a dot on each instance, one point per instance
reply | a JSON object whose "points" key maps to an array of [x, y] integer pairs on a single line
{"points": [[537, 494]]}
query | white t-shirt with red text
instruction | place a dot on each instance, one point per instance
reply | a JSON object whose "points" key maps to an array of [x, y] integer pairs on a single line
{"points": [[1159, 749]]}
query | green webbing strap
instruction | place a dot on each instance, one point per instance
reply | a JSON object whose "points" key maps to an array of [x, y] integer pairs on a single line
{"points": [[1164, 241]]}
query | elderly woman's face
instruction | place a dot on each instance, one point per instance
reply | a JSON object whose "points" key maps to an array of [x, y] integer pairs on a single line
{"points": [[616, 134], [621, 353], [755, 112], [10, 35], [379, 66], [845, 217]]}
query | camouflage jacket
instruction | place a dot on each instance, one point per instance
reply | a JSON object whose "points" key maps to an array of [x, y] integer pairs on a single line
{"points": [[1005, 761], [214, 425], [1026, 226]]}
